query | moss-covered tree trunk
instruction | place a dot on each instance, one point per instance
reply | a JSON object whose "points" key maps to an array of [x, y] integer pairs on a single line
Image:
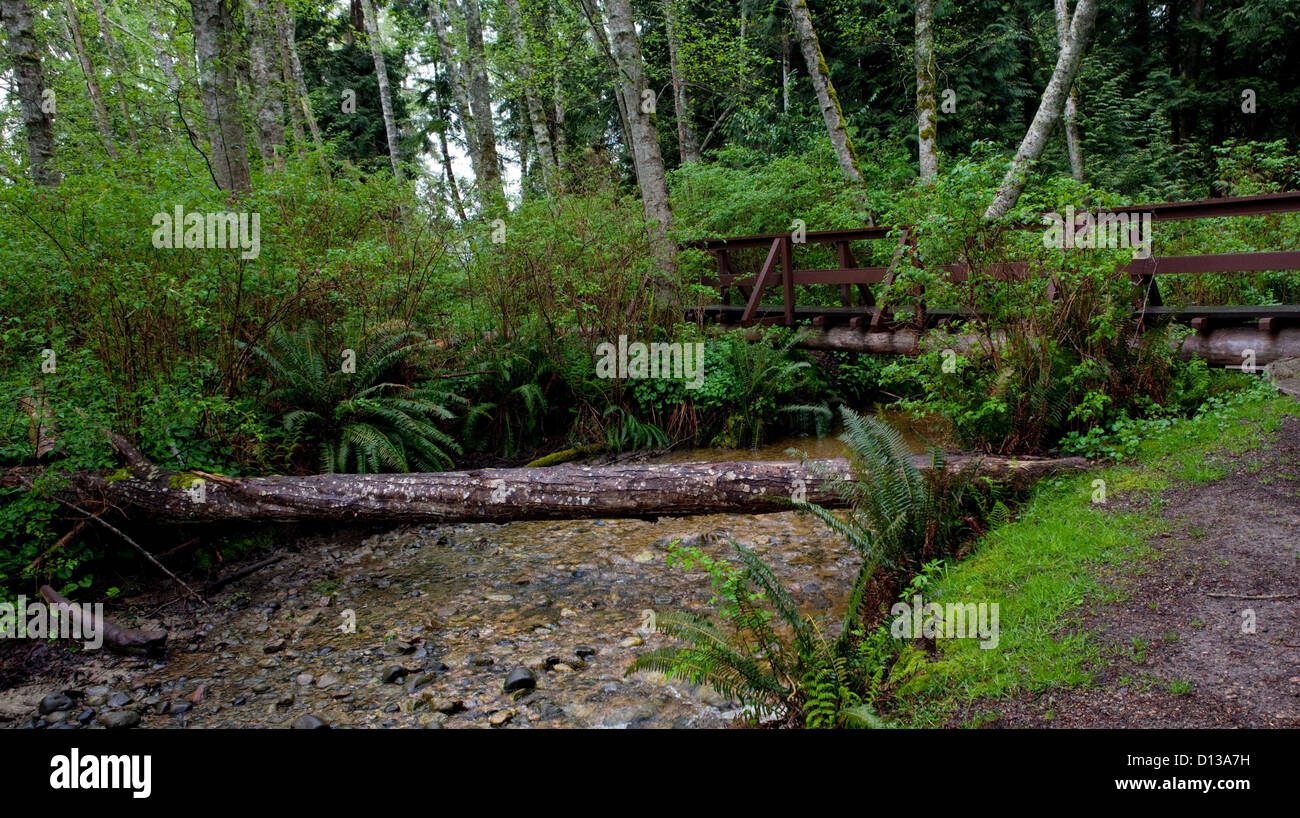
{"points": [[38, 119], [1049, 110], [117, 62], [926, 107], [1073, 145], [827, 99], [440, 22], [480, 101], [268, 110], [532, 100], [98, 111], [652, 179], [385, 93], [688, 143], [292, 68], [213, 41]]}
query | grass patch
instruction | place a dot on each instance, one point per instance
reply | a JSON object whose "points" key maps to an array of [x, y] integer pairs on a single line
{"points": [[1047, 569]]}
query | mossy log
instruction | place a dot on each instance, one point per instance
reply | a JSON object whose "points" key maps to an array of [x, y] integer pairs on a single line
{"points": [[494, 495]]}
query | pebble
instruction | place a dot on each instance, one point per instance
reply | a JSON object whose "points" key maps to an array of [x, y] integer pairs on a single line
{"points": [[310, 721], [520, 678], [418, 681], [447, 706], [328, 680], [119, 719], [433, 721], [54, 703], [500, 717], [392, 674], [632, 642], [304, 679]]}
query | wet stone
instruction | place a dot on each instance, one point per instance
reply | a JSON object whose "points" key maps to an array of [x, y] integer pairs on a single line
{"points": [[54, 703], [310, 721], [119, 719], [520, 679]]}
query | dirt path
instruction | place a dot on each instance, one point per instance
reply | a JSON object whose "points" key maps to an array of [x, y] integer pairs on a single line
{"points": [[1179, 651]]}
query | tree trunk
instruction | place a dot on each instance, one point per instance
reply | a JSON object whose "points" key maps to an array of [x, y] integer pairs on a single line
{"points": [[651, 176], [597, 27], [385, 97], [688, 143], [499, 495], [523, 152], [533, 103], [1049, 110], [557, 102], [440, 21], [292, 66], [165, 60], [785, 71], [926, 106], [827, 99], [1073, 146], [480, 100], [268, 109], [213, 33], [102, 122], [38, 122], [118, 63], [453, 189]]}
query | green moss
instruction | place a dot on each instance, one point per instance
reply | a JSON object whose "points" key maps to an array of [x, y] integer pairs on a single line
{"points": [[184, 480]]}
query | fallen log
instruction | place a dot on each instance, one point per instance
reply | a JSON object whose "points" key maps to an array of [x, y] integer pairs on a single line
{"points": [[1228, 347], [115, 636], [498, 495]]}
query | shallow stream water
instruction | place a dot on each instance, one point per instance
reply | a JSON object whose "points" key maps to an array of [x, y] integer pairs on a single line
{"points": [[444, 614]]}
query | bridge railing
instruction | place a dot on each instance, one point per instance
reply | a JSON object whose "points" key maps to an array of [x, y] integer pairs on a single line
{"points": [[778, 267]]}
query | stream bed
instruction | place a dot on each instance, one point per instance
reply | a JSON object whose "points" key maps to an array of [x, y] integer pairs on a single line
{"points": [[446, 618]]}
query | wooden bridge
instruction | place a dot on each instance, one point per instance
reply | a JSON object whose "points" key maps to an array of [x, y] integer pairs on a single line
{"points": [[863, 313]]}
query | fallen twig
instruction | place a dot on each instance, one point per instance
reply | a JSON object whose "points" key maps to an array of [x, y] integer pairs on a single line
{"points": [[1253, 596], [137, 546], [240, 574]]}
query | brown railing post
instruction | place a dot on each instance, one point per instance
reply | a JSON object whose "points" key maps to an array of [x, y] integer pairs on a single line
{"points": [[787, 278], [720, 255]]}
